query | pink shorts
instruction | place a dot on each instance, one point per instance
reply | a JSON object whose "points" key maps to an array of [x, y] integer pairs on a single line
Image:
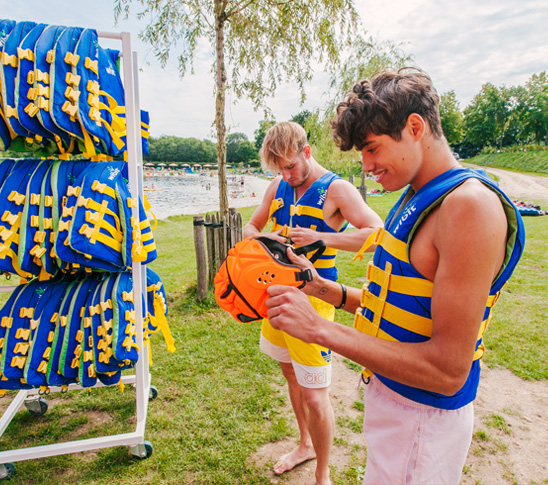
{"points": [[410, 443]]}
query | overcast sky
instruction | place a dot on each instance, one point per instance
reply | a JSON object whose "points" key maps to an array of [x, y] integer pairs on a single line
{"points": [[461, 44]]}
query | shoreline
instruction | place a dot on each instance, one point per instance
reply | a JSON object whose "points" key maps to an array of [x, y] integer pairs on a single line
{"points": [[252, 185]]}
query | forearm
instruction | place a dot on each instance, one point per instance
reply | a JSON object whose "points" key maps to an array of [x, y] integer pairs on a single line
{"points": [[347, 241], [332, 292], [420, 365]]}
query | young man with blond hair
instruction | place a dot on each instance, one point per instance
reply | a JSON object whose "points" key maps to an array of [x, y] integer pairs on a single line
{"points": [[307, 203]]}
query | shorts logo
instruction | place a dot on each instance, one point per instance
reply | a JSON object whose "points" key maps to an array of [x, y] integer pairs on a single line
{"points": [[326, 356], [319, 378]]}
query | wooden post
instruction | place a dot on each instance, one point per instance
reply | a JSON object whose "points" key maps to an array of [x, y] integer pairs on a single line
{"points": [[363, 188], [210, 250], [216, 244], [201, 261], [232, 226]]}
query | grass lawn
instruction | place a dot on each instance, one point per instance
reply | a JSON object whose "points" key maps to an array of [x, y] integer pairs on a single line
{"points": [[217, 403]]}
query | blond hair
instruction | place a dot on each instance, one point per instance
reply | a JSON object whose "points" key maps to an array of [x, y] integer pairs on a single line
{"points": [[280, 143]]}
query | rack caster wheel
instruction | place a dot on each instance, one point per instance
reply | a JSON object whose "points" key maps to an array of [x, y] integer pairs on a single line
{"points": [[142, 451], [7, 470], [37, 407], [152, 393]]}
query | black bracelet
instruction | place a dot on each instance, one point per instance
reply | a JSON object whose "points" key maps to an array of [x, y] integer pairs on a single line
{"points": [[343, 301]]}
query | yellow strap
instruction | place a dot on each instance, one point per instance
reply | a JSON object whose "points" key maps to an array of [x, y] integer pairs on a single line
{"points": [[70, 109], [42, 91], [31, 109], [395, 315], [8, 60], [71, 58], [18, 362], [30, 79], [400, 284], [42, 76], [94, 235], [22, 333], [92, 65], [21, 348], [6, 322], [73, 190], [103, 189], [16, 197], [304, 210], [26, 312], [161, 322], [11, 112], [43, 104], [72, 79], [25, 54], [72, 94], [274, 206]]}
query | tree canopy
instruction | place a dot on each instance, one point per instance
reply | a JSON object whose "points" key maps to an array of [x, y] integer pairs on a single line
{"points": [[258, 45]]}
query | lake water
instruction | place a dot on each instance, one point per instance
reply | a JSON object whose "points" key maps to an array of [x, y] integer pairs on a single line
{"points": [[187, 194]]}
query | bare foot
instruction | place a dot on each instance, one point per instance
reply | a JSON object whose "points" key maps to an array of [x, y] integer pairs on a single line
{"points": [[293, 458]]}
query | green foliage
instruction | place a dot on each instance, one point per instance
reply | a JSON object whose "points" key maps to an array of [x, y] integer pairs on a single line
{"points": [[451, 118], [364, 58], [176, 149], [501, 116], [260, 132], [528, 158], [240, 149]]}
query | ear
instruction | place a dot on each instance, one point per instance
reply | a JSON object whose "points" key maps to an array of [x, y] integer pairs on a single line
{"points": [[307, 151], [416, 125]]}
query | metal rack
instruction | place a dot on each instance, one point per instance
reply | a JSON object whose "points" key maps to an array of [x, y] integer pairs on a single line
{"points": [[36, 404]]}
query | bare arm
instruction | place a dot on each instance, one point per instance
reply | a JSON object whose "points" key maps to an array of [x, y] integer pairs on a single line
{"points": [[343, 203], [259, 219], [468, 235]]}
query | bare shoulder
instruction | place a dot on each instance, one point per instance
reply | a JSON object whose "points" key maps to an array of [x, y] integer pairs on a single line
{"points": [[473, 200], [342, 188]]}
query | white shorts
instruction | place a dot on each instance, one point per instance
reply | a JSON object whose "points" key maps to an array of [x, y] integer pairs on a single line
{"points": [[411, 443]]}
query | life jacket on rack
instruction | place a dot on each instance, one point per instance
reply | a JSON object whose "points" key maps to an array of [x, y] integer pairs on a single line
{"points": [[6, 132], [26, 94], [124, 344], [71, 348], [5, 324], [103, 320], [396, 303], [306, 212], [22, 139], [12, 200], [63, 104], [20, 328], [156, 311], [46, 319], [44, 54], [31, 237], [253, 265], [53, 376], [9, 66], [105, 135], [95, 229]]}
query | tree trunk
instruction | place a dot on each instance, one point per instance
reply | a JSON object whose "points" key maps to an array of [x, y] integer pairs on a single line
{"points": [[220, 107]]}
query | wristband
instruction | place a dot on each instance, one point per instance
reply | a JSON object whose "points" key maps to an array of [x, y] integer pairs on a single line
{"points": [[343, 300]]}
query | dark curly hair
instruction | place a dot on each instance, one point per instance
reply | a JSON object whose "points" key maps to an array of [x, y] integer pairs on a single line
{"points": [[382, 104]]}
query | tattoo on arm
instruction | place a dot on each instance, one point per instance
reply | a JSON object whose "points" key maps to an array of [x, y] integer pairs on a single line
{"points": [[323, 291]]}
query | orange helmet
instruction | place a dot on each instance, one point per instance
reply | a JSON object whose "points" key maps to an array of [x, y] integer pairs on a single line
{"points": [[253, 265]]}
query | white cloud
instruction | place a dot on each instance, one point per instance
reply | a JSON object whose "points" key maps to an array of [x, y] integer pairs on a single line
{"points": [[462, 45]]}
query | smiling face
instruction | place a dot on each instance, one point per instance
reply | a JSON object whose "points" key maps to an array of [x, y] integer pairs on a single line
{"points": [[394, 163]]}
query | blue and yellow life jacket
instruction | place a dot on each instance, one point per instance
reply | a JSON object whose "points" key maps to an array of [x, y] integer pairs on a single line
{"points": [[396, 301], [307, 212]]}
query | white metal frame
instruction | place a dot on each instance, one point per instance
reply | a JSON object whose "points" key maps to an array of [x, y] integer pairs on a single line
{"points": [[141, 379]]}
